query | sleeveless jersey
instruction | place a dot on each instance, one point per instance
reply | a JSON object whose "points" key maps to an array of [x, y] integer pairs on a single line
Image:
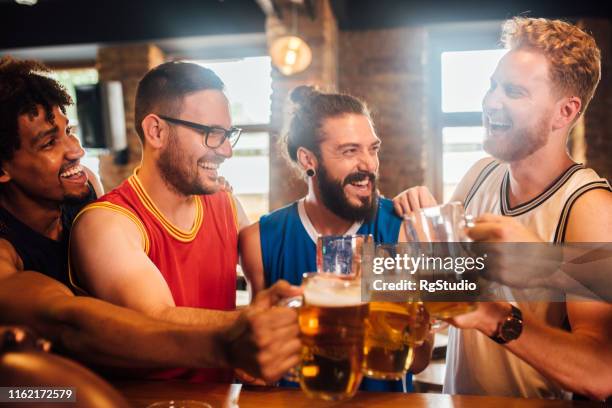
{"points": [[288, 239], [198, 265], [476, 364]]}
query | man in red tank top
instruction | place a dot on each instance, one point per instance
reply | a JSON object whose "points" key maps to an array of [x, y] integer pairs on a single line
{"points": [[165, 242]]}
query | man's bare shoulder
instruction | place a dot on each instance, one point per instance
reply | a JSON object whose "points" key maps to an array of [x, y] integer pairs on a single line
{"points": [[7, 250], [101, 219], [10, 261], [250, 232], [469, 178], [590, 218]]}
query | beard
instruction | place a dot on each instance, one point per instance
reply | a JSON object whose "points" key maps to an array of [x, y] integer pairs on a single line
{"points": [[77, 197], [517, 144], [334, 197], [177, 174]]}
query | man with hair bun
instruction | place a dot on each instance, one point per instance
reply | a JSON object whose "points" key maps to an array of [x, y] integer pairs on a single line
{"points": [[331, 141], [532, 191]]}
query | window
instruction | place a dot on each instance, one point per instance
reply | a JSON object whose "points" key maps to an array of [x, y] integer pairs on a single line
{"points": [[465, 80], [70, 78], [462, 62], [248, 85]]}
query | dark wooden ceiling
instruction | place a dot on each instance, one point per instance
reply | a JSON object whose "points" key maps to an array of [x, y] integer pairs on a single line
{"points": [[60, 22]]}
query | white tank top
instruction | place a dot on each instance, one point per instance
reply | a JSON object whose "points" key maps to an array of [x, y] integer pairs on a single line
{"points": [[476, 364]]}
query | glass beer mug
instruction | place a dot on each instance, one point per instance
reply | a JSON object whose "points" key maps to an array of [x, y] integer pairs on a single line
{"points": [[341, 255], [443, 227], [393, 330], [332, 318]]}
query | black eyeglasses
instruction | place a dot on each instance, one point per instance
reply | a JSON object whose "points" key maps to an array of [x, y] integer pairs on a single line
{"points": [[214, 136]]}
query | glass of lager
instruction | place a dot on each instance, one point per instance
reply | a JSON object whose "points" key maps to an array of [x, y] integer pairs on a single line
{"points": [[393, 330], [442, 228], [341, 255], [332, 326]]}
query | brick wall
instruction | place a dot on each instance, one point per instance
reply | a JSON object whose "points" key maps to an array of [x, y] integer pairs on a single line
{"points": [[322, 36], [598, 117], [127, 64], [386, 69]]}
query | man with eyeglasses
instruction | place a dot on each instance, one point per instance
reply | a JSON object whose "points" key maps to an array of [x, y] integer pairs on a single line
{"points": [[165, 242]]}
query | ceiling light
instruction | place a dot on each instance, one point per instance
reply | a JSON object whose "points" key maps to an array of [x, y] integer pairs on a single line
{"points": [[290, 54]]}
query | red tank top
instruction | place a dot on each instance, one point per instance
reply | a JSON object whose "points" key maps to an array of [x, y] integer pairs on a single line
{"points": [[199, 265]]}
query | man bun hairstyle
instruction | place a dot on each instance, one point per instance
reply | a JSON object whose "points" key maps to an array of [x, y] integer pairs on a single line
{"points": [[311, 108]]}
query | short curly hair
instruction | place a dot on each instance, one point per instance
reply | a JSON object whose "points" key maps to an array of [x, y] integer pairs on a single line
{"points": [[22, 88], [575, 59]]}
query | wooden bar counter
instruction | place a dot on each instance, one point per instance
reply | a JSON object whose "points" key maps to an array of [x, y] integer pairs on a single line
{"points": [[140, 394]]}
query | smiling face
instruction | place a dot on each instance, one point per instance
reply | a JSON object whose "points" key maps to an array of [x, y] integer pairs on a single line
{"points": [[46, 165], [348, 166], [518, 107], [186, 164]]}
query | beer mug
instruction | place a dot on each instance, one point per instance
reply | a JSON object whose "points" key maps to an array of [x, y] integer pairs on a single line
{"points": [[332, 325], [442, 227], [442, 223], [393, 330], [341, 255]]}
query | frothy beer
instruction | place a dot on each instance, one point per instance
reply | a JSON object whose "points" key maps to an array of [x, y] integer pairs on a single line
{"points": [[332, 330], [393, 330]]}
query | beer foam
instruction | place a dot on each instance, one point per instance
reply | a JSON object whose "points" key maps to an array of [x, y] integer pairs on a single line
{"points": [[328, 292]]}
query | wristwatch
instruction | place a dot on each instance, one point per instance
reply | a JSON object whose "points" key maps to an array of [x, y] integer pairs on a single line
{"points": [[510, 328]]}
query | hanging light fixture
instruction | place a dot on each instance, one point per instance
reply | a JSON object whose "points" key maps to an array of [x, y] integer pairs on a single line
{"points": [[290, 53]]}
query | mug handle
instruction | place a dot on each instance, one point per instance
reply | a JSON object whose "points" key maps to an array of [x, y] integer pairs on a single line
{"points": [[293, 302]]}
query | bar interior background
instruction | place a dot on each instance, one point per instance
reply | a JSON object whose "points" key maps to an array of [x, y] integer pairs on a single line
{"points": [[408, 59]]}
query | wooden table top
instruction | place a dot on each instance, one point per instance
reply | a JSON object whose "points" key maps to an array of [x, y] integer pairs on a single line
{"points": [[142, 393]]}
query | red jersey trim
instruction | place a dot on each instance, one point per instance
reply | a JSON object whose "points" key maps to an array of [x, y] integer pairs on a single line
{"points": [[234, 210], [175, 232], [112, 207]]}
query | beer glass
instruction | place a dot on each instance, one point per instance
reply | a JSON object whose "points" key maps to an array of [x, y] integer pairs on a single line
{"points": [[393, 330], [341, 255], [443, 226], [332, 325]]}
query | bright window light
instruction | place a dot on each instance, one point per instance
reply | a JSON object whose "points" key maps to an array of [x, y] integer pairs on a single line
{"points": [[465, 78], [248, 85], [70, 78], [462, 147], [248, 169]]}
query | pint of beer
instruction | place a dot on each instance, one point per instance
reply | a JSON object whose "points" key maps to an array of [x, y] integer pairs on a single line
{"points": [[332, 331], [393, 330]]}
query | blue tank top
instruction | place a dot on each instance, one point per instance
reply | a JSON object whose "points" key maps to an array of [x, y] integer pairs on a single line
{"points": [[288, 251]]}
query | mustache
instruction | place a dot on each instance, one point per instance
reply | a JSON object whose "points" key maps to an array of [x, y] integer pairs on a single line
{"points": [[495, 116], [69, 165], [211, 159], [359, 176]]}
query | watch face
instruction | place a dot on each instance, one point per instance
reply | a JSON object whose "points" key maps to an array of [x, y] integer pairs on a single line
{"points": [[511, 329]]}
